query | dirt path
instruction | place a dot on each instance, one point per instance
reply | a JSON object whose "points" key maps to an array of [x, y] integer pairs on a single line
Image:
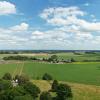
{"points": [[15, 71], [21, 70]]}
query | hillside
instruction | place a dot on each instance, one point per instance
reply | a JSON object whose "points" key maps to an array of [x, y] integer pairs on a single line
{"points": [[80, 91]]}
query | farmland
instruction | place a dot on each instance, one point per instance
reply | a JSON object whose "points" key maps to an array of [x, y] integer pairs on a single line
{"points": [[87, 73], [82, 76]]}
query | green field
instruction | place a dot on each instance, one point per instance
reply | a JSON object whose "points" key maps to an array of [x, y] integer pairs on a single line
{"points": [[87, 73]]}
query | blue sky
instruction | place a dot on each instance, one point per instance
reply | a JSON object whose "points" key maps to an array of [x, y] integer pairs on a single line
{"points": [[50, 24]]}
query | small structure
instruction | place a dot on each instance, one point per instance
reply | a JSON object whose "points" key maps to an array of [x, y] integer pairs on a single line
{"points": [[14, 83]]}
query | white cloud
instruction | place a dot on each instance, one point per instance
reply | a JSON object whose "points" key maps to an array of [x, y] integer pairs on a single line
{"points": [[13, 36], [61, 12], [22, 27], [7, 8], [62, 16], [70, 31], [37, 33]]}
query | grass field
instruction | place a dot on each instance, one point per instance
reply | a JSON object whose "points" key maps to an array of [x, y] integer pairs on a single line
{"points": [[80, 91], [87, 73]]}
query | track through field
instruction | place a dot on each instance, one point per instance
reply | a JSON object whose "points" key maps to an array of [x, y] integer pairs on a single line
{"points": [[19, 69]]}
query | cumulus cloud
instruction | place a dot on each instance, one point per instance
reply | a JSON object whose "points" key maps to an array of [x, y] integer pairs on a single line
{"points": [[7, 8], [62, 16], [22, 27], [68, 29], [71, 26], [12, 36]]}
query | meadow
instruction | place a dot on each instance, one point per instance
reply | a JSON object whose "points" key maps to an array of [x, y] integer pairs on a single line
{"points": [[80, 72]]}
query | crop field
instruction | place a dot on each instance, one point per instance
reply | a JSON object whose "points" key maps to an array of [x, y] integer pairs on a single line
{"points": [[83, 72]]}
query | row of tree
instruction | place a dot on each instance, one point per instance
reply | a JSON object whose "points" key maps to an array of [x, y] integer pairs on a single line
{"points": [[53, 59]]}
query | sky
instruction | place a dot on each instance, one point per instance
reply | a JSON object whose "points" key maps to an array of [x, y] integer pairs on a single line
{"points": [[50, 24]]}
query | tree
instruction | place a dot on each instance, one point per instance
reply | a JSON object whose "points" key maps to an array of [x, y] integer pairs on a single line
{"points": [[32, 89], [47, 77], [10, 94], [53, 58], [54, 85], [72, 60], [5, 84], [22, 79], [45, 96], [7, 76], [63, 92]]}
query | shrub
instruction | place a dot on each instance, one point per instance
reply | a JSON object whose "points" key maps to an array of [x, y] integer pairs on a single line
{"points": [[5, 84], [63, 92], [45, 96], [54, 85], [72, 60], [7, 76], [22, 79], [47, 77], [32, 89]]}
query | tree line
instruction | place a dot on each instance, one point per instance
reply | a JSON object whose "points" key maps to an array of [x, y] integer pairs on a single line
{"points": [[53, 59]]}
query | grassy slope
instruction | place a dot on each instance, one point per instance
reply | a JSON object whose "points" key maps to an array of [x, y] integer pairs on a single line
{"points": [[80, 91]]}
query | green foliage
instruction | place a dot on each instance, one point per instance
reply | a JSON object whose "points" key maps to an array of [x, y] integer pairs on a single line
{"points": [[10, 94], [46, 76], [7, 76], [25, 97], [54, 85], [22, 79], [72, 60], [32, 89], [5, 84], [63, 92], [53, 58], [45, 96]]}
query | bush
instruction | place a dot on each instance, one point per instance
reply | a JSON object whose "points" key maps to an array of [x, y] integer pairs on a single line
{"points": [[72, 60], [32, 89], [63, 92], [10, 94], [47, 77], [53, 58], [7, 76], [45, 96], [22, 79], [5, 84], [54, 85]]}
